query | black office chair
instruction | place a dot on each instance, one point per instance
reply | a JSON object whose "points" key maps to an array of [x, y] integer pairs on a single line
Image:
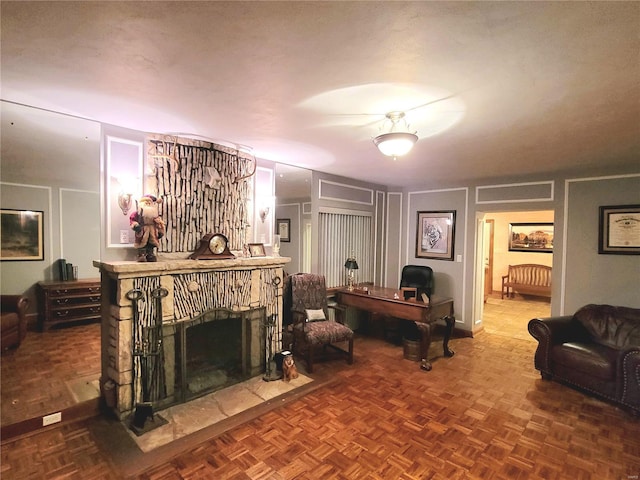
{"points": [[419, 277]]}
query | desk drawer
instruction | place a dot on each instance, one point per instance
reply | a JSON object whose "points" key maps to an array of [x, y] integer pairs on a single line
{"points": [[65, 292], [71, 301], [74, 312]]}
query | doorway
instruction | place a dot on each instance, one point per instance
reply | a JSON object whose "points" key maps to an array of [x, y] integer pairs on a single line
{"points": [[488, 233], [306, 247], [509, 316]]}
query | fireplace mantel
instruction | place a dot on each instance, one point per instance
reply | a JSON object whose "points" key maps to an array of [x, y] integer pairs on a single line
{"points": [[169, 265], [189, 288]]}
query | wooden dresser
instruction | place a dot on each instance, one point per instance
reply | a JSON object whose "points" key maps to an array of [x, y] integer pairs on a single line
{"points": [[68, 302]]}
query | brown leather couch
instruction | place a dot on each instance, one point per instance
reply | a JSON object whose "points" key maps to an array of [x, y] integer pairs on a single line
{"points": [[13, 318], [596, 350]]}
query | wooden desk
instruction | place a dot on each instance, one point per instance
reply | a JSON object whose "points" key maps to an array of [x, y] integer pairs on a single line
{"points": [[382, 300]]}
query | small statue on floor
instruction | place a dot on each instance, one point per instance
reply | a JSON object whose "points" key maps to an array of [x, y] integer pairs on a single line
{"points": [[289, 370], [425, 365]]}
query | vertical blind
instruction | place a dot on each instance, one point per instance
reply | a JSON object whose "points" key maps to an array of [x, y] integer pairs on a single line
{"points": [[341, 236]]}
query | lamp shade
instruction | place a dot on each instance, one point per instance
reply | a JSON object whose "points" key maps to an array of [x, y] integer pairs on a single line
{"points": [[395, 144], [351, 264]]}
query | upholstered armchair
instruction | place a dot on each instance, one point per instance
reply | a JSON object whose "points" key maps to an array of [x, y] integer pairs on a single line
{"points": [[13, 318], [313, 329]]}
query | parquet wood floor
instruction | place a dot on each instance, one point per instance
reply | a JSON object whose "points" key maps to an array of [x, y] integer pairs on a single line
{"points": [[483, 414], [55, 358], [34, 378]]}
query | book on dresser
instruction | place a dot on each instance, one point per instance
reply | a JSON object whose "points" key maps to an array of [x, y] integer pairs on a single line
{"points": [[68, 302]]}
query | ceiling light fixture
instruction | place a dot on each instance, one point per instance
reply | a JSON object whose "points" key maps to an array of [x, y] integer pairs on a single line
{"points": [[398, 140]]}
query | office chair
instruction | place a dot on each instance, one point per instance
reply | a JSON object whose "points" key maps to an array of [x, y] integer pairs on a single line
{"points": [[419, 277]]}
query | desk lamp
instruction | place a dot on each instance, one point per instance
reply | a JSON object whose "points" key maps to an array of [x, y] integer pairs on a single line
{"points": [[351, 265]]}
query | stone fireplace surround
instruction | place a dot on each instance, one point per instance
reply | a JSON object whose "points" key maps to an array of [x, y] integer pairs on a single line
{"points": [[194, 288]]}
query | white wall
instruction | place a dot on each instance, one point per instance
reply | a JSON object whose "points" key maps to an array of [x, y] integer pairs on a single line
{"points": [[449, 279], [589, 276], [292, 248]]}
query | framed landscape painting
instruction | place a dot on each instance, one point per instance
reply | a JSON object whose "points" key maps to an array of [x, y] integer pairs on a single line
{"points": [[21, 235], [531, 237]]}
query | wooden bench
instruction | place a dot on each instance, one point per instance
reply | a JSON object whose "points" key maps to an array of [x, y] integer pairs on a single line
{"points": [[527, 278]]}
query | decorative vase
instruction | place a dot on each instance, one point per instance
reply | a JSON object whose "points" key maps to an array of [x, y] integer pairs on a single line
{"points": [[276, 245]]}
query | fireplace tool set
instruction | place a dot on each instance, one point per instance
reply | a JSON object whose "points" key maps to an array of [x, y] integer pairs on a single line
{"points": [[148, 356], [148, 360], [270, 325]]}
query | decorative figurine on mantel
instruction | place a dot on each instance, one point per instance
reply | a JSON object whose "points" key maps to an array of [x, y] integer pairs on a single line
{"points": [[148, 227]]}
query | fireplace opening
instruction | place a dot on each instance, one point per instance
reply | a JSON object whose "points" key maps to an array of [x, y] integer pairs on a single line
{"points": [[214, 355], [212, 351]]}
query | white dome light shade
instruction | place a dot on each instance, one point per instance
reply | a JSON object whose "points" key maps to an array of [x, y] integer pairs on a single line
{"points": [[397, 139], [395, 144]]}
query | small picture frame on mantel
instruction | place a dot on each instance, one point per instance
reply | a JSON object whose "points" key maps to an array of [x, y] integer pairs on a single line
{"points": [[257, 250]]}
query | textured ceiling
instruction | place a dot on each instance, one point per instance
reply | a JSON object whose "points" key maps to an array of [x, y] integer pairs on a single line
{"points": [[492, 88]]}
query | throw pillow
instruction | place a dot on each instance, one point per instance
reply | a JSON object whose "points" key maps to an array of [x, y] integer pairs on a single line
{"points": [[315, 315]]}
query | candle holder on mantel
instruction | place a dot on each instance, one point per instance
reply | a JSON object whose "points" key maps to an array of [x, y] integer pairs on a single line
{"points": [[270, 324]]}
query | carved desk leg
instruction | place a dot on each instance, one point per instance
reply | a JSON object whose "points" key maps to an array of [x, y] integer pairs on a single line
{"points": [[451, 320], [425, 340], [425, 343]]}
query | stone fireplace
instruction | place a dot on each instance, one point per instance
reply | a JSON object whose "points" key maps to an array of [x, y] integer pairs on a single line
{"points": [[177, 329]]}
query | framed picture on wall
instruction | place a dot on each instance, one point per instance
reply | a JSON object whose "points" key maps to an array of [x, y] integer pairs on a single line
{"points": [[435, 235], [283, 229], [531, 237], [619, 231], [21, 235]]}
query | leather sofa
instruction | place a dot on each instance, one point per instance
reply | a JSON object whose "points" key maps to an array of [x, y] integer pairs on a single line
{"points": [[596, 350], [13, 320]]}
